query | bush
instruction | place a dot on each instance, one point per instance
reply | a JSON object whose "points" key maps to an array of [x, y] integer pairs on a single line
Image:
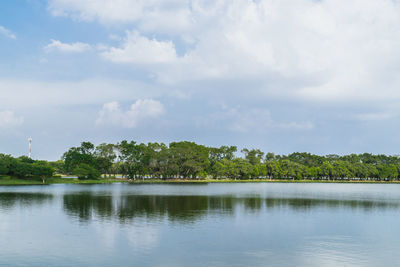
{"points": [[202, 175], [85, 171]]}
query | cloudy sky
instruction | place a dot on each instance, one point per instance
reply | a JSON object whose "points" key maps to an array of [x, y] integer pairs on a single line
{"points": [[283, 76]]}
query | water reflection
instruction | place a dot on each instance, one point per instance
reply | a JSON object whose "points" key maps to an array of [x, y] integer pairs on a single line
{"points": [[10, 200], [186, 209], [84, 205], [215, 225], [308, 204], [127, 208]]}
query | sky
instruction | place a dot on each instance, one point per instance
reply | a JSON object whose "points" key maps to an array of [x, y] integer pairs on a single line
{"points": [[318, 76]]}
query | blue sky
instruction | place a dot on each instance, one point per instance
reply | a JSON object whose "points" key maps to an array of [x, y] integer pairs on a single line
{"points": [[282, 76]]}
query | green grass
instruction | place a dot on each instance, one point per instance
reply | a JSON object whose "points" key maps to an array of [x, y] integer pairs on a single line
{"points": [[205, 181], [7, 180]]}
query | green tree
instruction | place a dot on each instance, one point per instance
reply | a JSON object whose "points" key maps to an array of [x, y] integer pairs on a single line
{"points": [[388, 171], [243, 168], [189, 157], [129, 155], [105, 156], [327, 170], [43, 170], [254, 156], [78, 155], [85, 171]]}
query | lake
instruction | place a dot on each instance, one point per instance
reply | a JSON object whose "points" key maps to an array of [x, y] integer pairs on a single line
{"points": [[233, 224]]}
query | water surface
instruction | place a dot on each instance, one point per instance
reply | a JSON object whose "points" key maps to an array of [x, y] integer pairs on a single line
{"points": [[200, 225]]}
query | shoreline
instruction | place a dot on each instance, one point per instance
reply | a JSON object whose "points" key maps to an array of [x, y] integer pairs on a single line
{"points": [[10, 181], [187, 181]]}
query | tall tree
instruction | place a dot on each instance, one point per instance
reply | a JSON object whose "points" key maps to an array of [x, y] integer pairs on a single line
{"points": [[254, 156], [78, 155], [105, 156]]}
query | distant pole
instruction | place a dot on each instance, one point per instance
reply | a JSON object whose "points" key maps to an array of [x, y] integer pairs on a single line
{"points": [[30, 147]]}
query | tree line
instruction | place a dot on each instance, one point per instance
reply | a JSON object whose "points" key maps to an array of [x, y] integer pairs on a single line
{"points": [[24, 167], [193, 161]]}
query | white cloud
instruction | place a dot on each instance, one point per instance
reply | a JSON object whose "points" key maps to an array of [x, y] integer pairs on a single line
{"points": [[303, 125], [333, 60], [267, 57], [142, 109], [8, 119], [77, 47], [250, 120], [137, 49], [7, 33], [377, 116], [167, 15], [323, 51], [29, 93]]}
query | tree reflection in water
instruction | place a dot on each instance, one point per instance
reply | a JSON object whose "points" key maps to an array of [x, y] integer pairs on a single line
{"points": [[188, 209], [9, 200]]}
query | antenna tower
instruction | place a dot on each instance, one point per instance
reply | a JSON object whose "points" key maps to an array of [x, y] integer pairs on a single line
{"points": [[30, 147]]}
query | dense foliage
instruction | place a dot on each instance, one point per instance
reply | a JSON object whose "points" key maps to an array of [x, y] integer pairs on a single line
{"points": [[24, 167], [190, 160]]}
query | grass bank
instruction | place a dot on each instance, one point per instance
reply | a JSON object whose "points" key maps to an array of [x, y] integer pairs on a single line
{"points": [[205, 181], [7, 180]]}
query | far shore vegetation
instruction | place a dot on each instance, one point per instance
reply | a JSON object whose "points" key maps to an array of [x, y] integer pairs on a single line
{"points": [[183, 162]]}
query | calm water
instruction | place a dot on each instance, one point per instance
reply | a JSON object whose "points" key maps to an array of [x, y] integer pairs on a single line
{"points": [[200, 225]]}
